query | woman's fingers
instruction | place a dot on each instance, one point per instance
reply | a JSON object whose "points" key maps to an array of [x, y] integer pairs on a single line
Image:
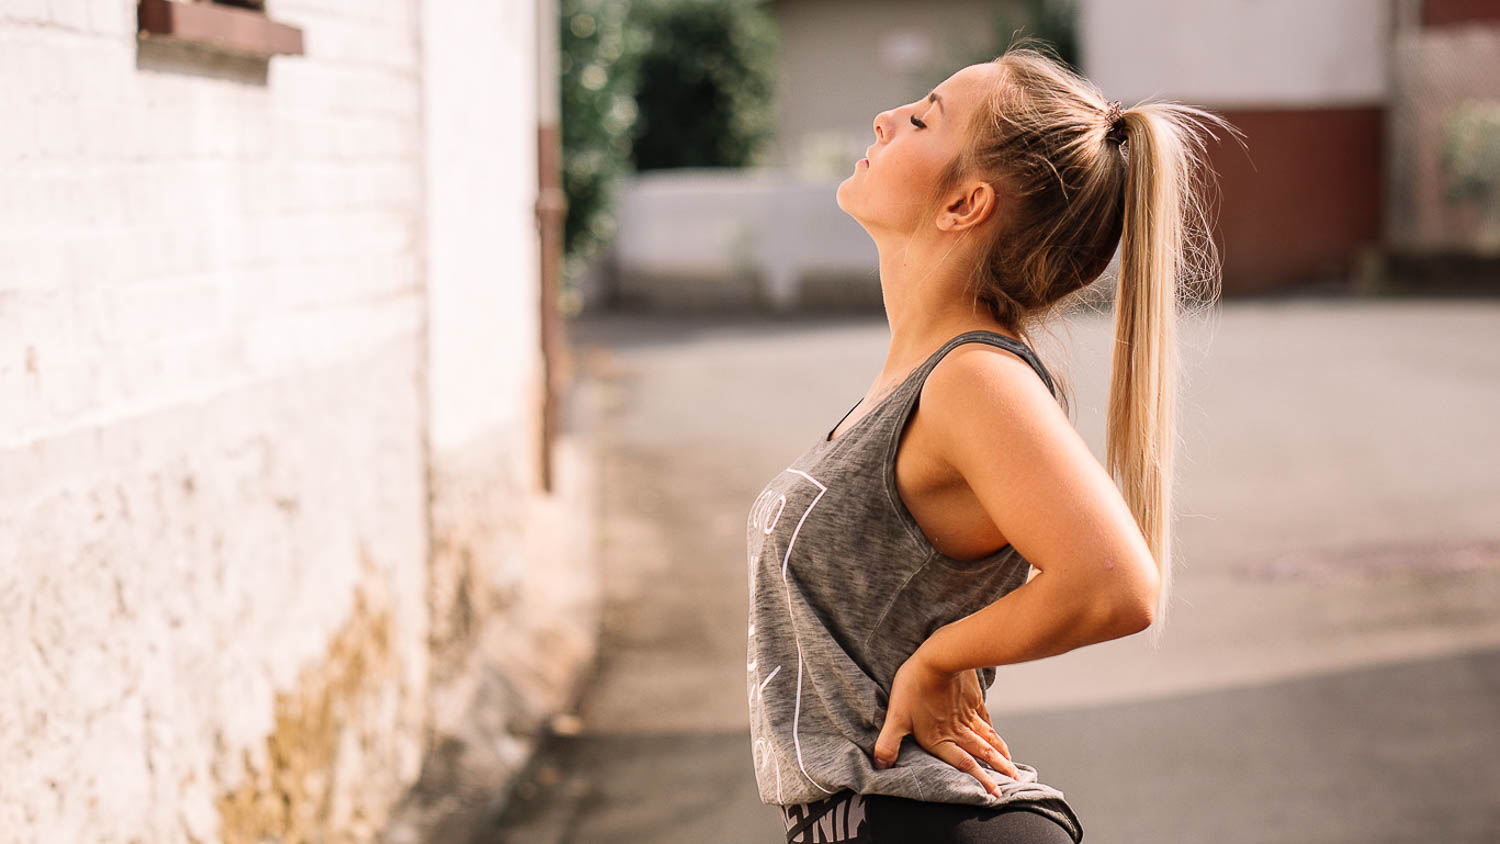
{"points": [[989, 726], [988, 731], [981, 747], [949, 751]]}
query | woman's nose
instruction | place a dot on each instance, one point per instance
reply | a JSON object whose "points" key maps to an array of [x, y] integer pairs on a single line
{"points": [[880, 129]]}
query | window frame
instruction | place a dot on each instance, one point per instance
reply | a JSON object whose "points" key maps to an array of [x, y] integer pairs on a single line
{"points": [[218, 26]]}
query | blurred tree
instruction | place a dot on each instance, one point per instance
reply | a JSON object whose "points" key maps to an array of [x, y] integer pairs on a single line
{"points": [[1053, 21], [705, 83], [1470, 161], [656, 83], [598, 111]]}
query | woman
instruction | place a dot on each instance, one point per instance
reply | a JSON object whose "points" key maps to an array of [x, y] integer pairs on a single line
{"points": [[889, 562]]}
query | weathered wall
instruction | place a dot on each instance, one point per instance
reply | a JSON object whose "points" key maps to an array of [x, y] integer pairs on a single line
{"points": [[220, 593], [512, 588]]}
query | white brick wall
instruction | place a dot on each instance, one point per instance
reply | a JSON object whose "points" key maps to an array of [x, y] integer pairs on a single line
{"points": [[480, 67], [214, 407]]}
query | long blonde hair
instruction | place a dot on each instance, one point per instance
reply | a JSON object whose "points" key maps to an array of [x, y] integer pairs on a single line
{"points": [[1073, 193]]}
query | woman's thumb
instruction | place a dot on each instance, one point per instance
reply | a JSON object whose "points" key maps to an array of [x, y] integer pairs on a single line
{"points": [[888, 744]]}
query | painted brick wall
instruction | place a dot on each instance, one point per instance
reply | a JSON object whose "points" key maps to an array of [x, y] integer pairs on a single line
{"points": [[215, 392]]}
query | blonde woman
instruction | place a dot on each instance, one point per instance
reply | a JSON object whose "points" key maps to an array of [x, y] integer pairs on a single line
{"points": [[890, 563]]}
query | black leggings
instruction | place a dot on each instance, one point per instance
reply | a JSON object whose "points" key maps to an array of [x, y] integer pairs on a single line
{"points": [[883, 819]]}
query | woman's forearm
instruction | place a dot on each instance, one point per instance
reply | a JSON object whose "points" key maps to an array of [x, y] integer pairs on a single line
{"points": [[1036, 620]]}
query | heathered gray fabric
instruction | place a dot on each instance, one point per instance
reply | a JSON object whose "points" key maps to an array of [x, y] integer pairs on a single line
{"points": [[843, 588]]}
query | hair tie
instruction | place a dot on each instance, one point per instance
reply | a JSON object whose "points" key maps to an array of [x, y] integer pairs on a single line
{"points": [[1116, 122]]}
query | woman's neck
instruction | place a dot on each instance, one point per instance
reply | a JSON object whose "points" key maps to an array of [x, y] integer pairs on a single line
{"points": [[925, 309]]}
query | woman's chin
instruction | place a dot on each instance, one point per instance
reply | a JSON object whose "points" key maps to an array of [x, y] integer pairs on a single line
{"points": [[837, 198], [838, 193]]}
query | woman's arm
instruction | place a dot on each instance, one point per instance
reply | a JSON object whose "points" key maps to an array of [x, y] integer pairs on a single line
{"points": [[1036, 620], [990, 417]]}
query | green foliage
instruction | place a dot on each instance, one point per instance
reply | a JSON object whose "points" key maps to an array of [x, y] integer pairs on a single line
{"points": [[1471, 150], [598, 110], [1470, 160], [704, 83], [656, 83], [1053, 21]]}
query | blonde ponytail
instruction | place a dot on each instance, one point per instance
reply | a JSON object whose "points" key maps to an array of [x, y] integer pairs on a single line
{"points": [[1088, 180], [1165, 251]]}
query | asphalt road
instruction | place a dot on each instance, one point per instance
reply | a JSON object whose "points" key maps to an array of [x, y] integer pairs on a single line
{"points": [[1330, 670]]}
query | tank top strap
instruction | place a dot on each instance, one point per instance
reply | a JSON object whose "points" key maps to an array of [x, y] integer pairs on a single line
{"points": [[898, 403], [913, 385], [898, 412]]}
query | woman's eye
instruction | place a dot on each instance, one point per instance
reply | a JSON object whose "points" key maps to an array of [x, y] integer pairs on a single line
{"points": [[917, 123]]}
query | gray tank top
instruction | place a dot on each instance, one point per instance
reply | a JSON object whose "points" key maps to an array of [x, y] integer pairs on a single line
{"points": [[843, 588]]}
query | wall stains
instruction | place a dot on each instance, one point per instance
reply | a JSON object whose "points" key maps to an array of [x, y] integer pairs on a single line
{"points": [[329, 715]]}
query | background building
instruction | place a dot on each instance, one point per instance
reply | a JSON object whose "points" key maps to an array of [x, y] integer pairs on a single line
{"points": [[1371, 139], [1443, 203], [1307, 83]]}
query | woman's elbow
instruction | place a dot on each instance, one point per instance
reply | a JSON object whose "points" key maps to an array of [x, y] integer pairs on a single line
{"points": [[1136, 608]]}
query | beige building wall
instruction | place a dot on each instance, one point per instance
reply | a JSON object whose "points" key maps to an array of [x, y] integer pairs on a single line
{"points": [[845, 61], [1276, 53]]}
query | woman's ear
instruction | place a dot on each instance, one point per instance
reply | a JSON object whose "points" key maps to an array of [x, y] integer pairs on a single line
{"points": [[969, 209]]}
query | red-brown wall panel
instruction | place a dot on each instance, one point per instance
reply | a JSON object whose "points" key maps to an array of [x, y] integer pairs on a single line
{"points": [[1449, 12], [1299, 203]]}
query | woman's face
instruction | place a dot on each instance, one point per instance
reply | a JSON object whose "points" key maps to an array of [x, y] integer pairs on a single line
{"points": [[913, 143]]}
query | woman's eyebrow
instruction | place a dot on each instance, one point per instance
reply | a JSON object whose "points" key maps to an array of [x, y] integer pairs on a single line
{"points": [[934, 98]]}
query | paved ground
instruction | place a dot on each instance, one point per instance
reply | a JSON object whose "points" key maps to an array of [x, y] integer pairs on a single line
{"points": [[1331, 666]]}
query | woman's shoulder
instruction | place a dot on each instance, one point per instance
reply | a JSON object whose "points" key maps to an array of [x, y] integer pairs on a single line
{"points": [[980, 396], [978, 375]]}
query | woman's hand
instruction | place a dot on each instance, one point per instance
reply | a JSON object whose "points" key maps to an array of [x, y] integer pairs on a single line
{"points": [[946, 714]]}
